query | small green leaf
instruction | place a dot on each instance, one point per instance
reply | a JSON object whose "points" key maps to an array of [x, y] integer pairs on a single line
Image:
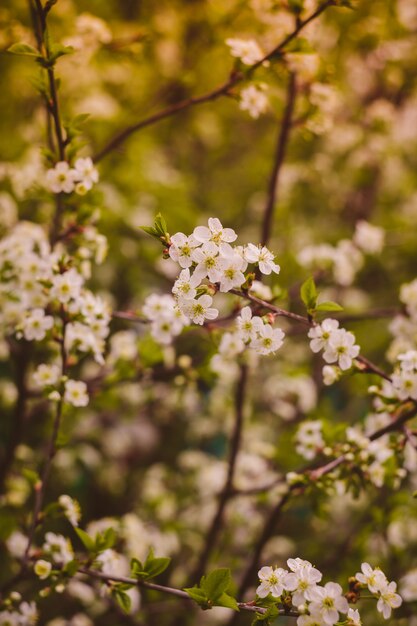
{"points": [[105, 540], [122, 599], [157, 566], [329, 306], [31, 476], [197, 595], [87, 541], [227, 601], [216, 583], [71, 568], [23, 49], [57, 50], [160, 224], [308, 293], [150, 230]]}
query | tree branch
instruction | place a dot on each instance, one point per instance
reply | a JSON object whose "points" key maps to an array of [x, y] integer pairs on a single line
{"points": [[234, 79], [41, 486], [227, 491], [281, 146]]}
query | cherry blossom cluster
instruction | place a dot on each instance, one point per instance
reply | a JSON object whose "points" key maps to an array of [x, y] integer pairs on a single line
{"points": [[209, 262], [63, 178], [378, 584], [338, 344], [371, 456], [254, 100], [21, 614], [309, 439], [347, 257], [404, 379], [322, 605]]}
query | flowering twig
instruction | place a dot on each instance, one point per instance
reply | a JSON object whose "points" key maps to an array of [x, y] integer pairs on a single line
{"points": [[179, 593], [222, 90], [52, 103]]}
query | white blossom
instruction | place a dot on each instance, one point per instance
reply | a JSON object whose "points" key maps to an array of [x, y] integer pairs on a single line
{"points": [[253, 100], [263, 257], [186, 285], [181, 249], [268, 340], [208, 262], [86, 173], [76, 393], [248, 326], [66, 286], [341, 348], [328, 601], [369, 238], [46, 375], [61, 178], [388, 600], [248, 51], [354, 619], [58, 547], [374, 579], [200, 309], [214, 232], [71, 509], [321, 333], [36, 324], [42, 569], [272, 582]]}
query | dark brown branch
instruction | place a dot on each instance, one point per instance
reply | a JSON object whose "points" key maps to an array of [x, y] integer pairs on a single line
{"points": [[52, 106], [234, 79], [227, 492], [281, 147], [40, 488]]}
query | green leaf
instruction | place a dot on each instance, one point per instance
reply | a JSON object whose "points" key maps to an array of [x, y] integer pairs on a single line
{"points": [[57, 50], [308, 293], [198, 596], [105, 540], [122, 599], [23, 49], [87, 541], [227, 601], [329, 306], [157, 566], [71, 568], [160, 224], [150, 230], [216, 583], [31, 476]]}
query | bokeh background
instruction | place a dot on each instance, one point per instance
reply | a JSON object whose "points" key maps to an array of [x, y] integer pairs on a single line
{"points": [[148, 454]]}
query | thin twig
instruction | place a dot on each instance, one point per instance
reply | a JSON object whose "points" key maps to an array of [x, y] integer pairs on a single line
{"points": [[227, 491], [281, 147], [223, 89], [51, 452], [179, 593]]}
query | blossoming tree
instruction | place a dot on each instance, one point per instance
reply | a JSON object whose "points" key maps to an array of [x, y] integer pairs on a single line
{"points": [[208, 380]]}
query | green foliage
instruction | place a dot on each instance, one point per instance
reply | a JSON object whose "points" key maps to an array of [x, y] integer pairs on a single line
{"points": [[158, 230], [212, 590], [152, 567], [308, 293], [23, 49], [122, 598], [103, 541]]}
